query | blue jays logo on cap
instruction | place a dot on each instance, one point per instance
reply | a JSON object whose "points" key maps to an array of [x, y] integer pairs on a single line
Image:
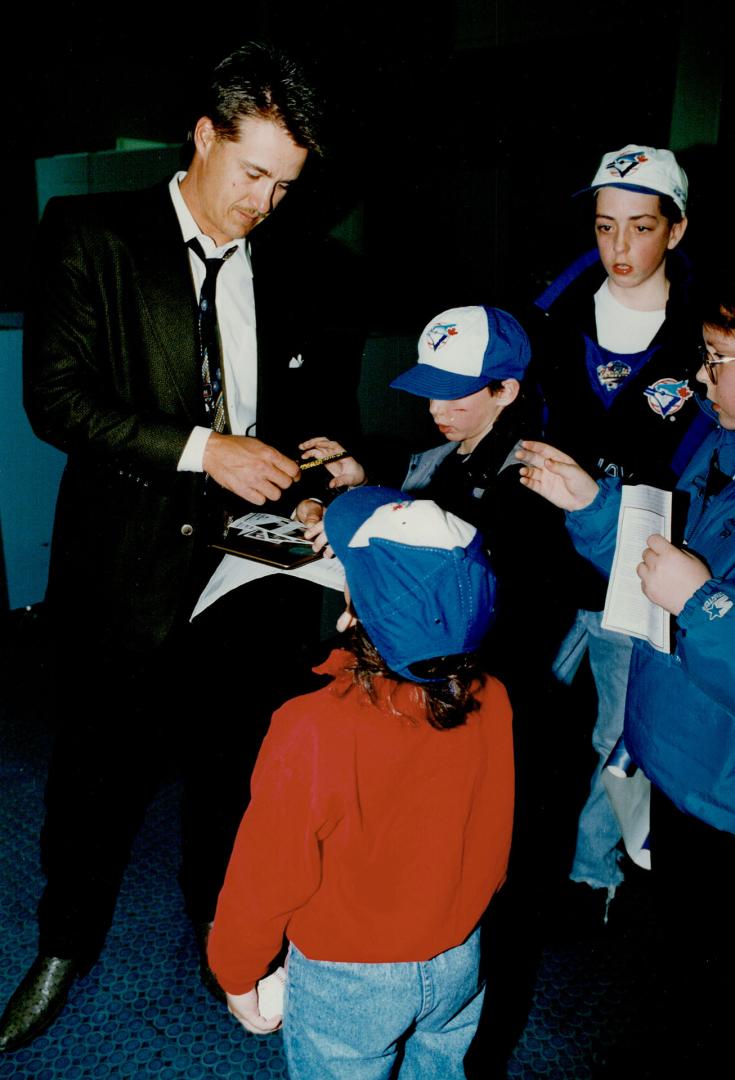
{"points": [[439, 334], [667, 396], [625, 163]]}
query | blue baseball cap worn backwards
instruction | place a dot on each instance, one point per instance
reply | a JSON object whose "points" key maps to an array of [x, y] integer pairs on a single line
{"points": [[462, 350], [419, 577]]}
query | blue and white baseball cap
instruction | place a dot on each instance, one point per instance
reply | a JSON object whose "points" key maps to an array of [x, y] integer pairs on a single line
{"points": [[419, 577], [644, 169], [462, 350]]}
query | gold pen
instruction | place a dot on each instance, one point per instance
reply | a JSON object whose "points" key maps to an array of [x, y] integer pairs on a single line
{"points": [[323, 460]]}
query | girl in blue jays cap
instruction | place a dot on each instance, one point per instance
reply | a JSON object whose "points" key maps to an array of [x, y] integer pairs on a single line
{"points": [[380, 821]]}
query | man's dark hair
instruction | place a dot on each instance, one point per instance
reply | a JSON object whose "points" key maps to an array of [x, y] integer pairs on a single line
{"points": [[257, 80], [447, 701]]}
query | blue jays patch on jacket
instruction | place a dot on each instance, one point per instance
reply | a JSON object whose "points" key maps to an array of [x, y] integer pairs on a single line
{"points": [[666, 396]]}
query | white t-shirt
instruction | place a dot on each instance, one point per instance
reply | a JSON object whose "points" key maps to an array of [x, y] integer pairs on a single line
{"points": [[622, 329]]}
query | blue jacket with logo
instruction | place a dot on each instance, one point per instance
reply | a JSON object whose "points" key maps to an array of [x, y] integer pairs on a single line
{"points": [[646, 430], [680, 709], [640, 431]]}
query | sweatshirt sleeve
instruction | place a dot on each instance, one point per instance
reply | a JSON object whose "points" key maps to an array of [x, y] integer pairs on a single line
{"points": [[594, 529], [705, 641], [275, 866]]}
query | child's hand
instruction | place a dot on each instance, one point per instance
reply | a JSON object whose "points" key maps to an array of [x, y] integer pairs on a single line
{"points": [[345, 473], [669, 576], [244, 1007], [556, 476], [315, 532], [309, 512]]}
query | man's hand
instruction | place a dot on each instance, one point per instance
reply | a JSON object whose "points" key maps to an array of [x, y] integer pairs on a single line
{"points": [[252, 469], [244, 1007], [669, 576], [556, 476], [345, 473]]}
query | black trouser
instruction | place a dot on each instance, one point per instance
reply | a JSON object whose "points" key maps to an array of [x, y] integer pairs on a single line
{"points": [[199, 705]]}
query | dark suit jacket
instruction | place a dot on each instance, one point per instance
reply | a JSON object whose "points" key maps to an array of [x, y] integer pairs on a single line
{"points": [[110, 378]]}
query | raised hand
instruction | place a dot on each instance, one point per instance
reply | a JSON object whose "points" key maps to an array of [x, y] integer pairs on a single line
{"points": [[556, 476]]}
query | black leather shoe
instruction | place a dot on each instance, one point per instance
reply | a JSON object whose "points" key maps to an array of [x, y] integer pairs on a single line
{"points": [[209, 981], [37, 1002]]}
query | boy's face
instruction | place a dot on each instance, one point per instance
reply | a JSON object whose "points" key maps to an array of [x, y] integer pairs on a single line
{"points": [[720, 344], [465, 420], [633, 236]]}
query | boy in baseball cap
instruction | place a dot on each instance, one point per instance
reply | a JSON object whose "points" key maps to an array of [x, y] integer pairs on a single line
{"points": [[615, 353], [471, 367], [380, 822]]}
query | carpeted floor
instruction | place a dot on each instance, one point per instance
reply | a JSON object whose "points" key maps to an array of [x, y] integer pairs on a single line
{"points": [[559, 997]]}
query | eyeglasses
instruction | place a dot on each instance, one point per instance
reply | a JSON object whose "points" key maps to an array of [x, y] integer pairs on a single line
{"points": [[711, 364]]}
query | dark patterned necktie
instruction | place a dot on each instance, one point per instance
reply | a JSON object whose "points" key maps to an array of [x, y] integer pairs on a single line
{"points": [[210, 354]]}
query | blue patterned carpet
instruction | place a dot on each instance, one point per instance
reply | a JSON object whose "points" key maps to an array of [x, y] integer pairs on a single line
{"points": [[552, 1011]]}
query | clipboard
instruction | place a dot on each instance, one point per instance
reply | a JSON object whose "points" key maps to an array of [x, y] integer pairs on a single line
{"points": [[269, 539]]}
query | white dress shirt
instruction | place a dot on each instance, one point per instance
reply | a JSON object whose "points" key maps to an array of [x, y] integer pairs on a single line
{"points": [[236, 319]]}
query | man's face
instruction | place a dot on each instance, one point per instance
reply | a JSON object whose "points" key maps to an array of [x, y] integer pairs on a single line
{"points": [[633, 236], [466, 420], [232, 186], [720, 344]]}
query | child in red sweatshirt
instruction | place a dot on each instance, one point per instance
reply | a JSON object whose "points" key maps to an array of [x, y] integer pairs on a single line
{"points": [[381, 813]]}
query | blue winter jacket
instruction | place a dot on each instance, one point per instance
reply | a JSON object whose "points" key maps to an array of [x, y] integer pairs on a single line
{"points": [[680, 708]]}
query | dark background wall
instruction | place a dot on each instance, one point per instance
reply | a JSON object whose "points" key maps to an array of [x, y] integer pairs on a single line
{"points": [[456, 139], [455, 143]]}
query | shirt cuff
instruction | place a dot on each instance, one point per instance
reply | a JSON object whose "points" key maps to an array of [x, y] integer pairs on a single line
{"points": [[192, 456]]}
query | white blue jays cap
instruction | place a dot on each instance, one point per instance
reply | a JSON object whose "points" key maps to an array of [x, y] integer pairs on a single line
{"points": [[419, 577], [462, 350], [645, 169]]}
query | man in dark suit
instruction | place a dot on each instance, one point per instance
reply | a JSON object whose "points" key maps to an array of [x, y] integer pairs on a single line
{"points": [[113, 378]]}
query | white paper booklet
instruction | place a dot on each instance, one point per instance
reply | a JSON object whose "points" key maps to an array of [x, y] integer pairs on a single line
{"points": [[643, 510]]}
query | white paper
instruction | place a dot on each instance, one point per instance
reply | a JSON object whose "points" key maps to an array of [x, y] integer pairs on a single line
{"points": [[643, 510], [270, 994], [234, 571]]}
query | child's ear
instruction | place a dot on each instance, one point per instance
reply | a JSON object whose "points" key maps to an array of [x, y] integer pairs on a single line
{"points": [[677, 231], [510, 391]]}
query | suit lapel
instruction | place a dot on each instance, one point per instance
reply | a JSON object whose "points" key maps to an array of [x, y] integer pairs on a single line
{"points": [[161, 263]]}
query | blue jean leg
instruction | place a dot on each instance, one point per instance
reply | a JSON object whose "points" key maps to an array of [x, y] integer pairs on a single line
{"points": [[597, 855], [354, 1021]]}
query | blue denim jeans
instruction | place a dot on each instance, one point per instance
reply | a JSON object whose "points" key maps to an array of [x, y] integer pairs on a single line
{"points": [[597, 855], [375, 1021]]}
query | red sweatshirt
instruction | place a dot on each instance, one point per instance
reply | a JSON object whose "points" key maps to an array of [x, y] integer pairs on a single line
{"points": [[371, 836]]}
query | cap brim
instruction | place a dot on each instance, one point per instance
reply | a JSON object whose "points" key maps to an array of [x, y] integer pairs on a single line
{"points": [[625, 187], [430, 382]]}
